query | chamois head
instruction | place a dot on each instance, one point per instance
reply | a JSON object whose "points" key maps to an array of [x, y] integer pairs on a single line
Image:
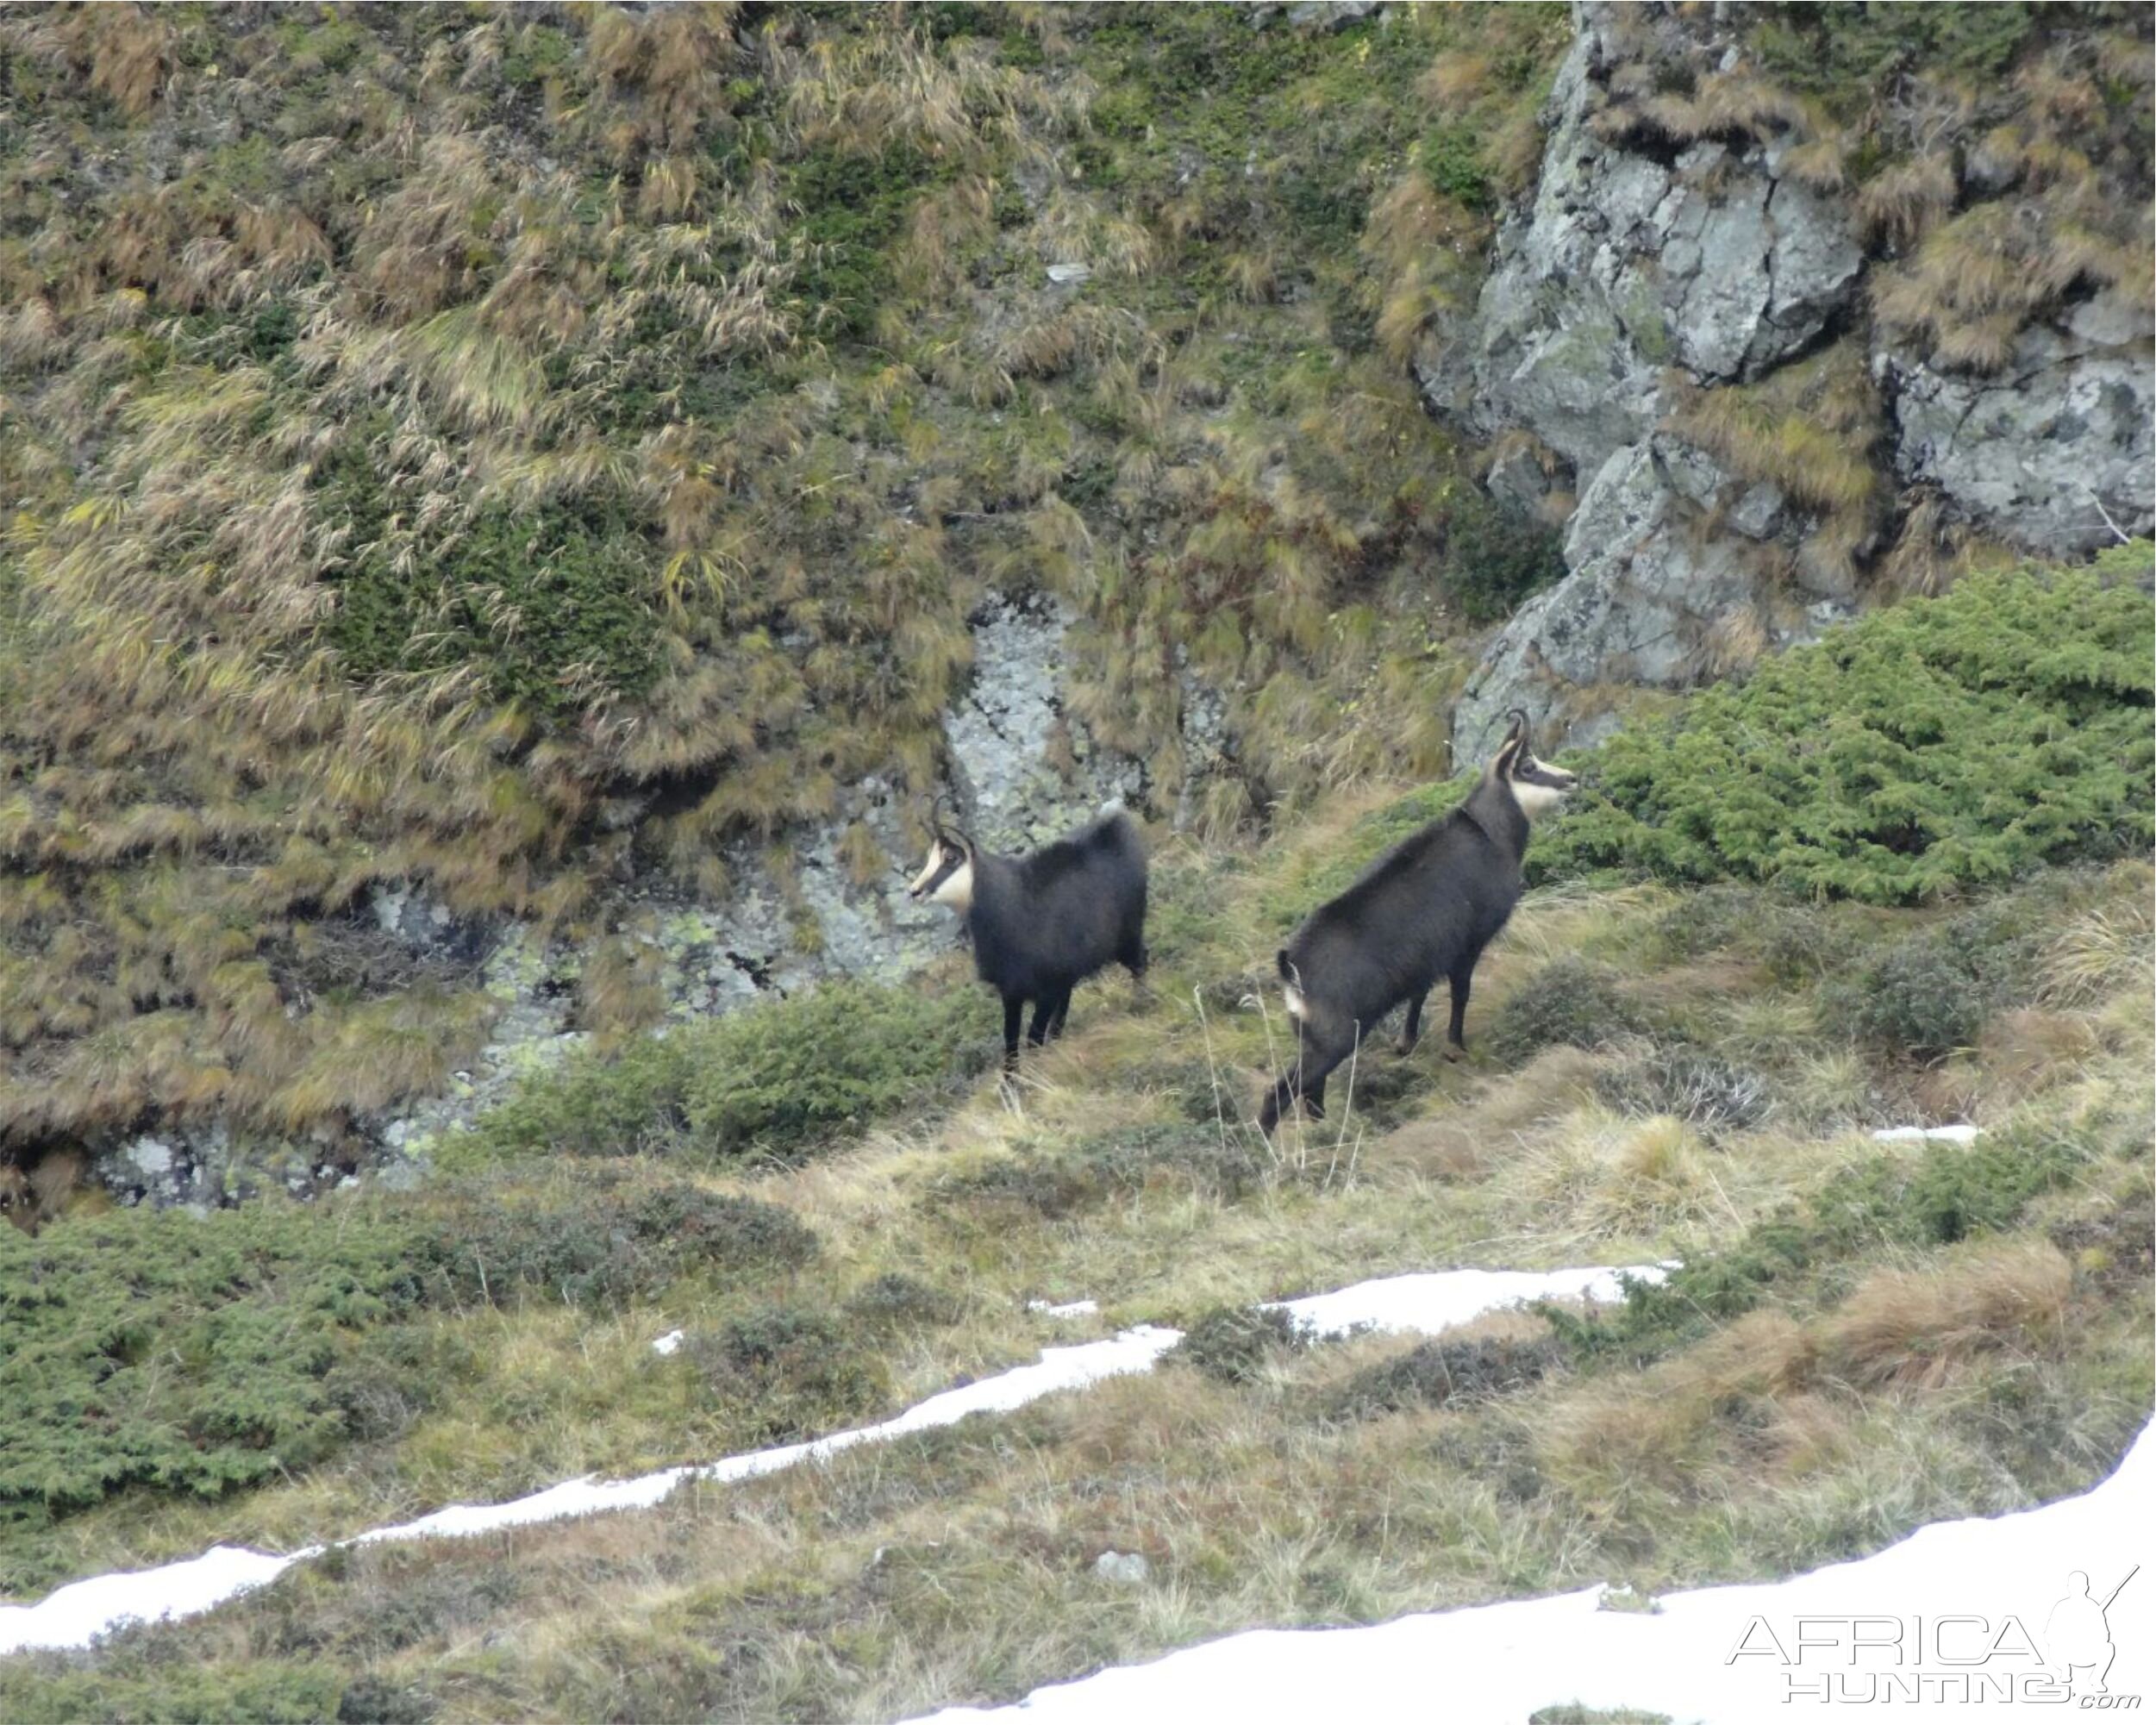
{"points": [[947, 876], [1536, 786]]}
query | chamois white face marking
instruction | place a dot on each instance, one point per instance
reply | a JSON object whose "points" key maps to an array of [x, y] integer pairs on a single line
{"points": [[921, 881], [957, 889], [1536, 800], [1536, 786], [946, 878], [1294, 997]]}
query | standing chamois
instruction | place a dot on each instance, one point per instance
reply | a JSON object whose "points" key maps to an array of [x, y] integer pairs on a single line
{"points": [[1425, 909], [1044, 923]]}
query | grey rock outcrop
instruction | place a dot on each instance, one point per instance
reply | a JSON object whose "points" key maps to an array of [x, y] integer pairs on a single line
{"points": [[2040, 452], [1634, 269], [1026, 769], [1648, 267], [1626, 265], [1654, 600]]}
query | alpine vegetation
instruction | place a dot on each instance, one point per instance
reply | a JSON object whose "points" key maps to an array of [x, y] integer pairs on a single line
{"points": [[1042, 923], [1425, 909]]}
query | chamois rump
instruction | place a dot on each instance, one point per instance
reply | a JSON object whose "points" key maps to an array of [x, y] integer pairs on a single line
{"points": [[1043, 923], [1424, 911]]}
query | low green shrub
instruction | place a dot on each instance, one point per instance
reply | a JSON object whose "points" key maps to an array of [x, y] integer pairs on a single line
{"points": [[1930, 994], [1945, 1193], [1569, 1000], [1052, 1184], [775, 1078], [788, 1372], [1433, 1373], [612, 1248], [1452, 157], [185, 1354], [1938, 745], [155, 1350], [1704, 1088], [1234, 1344], [831, 1058], [1948, 1192], [118, 1691], [894, 1302], [628, 1102], [1796, 940]]}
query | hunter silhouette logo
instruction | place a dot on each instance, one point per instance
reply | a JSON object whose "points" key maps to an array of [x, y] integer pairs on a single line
{"points": [[2078, 1636], [1953, 1657]]}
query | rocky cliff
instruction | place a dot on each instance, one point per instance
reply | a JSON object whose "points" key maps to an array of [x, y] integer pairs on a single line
{"points": [[1697, 283]]}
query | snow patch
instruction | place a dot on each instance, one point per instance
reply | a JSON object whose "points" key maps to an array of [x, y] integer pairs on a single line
{"points": [[669, 1342], [1915, 1134], [1431, 1301], [1070, 1309]]}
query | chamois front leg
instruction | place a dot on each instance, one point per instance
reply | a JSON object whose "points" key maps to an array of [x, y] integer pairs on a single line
{"points": [[1411, 1032], [1456, 1031], [1014, 1017]]}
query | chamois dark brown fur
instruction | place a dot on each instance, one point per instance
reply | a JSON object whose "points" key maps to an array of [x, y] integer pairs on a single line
{"points": [[1043, 923], [1424, 910]]}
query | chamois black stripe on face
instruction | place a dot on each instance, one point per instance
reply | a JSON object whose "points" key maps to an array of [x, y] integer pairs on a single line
{"points": [[947, 861], [1528, 770]]}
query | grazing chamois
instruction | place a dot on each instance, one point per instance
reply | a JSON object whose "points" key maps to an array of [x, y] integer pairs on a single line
{"points": [[1043, 923], [1424, 911]]}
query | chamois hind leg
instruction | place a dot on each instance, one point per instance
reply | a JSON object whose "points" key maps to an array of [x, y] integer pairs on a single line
{"points": [[1411, 1032], [1306, 1079], [1456, 1031], [1133, 958]]}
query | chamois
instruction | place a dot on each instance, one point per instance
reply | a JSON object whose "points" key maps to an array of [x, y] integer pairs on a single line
{"points": [[1043, 923], [1425, 909]]}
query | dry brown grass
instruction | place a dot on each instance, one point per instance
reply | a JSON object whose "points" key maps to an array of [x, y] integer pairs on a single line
{"points": [[1919, 1326], [1900, 205]]}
